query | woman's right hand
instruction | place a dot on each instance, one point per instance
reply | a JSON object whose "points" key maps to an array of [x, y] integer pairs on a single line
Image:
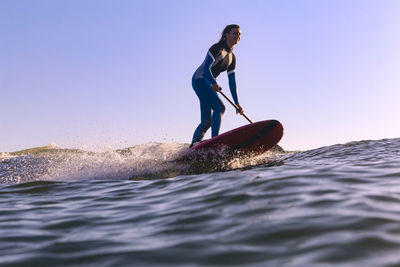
{"points": [[216, 87]]}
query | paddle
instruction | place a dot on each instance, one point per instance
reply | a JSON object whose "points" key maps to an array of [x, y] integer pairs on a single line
{"points": [[235, 106]]}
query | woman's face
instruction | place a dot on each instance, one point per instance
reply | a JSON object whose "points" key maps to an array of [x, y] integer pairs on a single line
{"points": [[233, 36]]}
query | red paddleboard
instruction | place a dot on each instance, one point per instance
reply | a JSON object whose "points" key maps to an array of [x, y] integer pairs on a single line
{"points": [[255, 138]]}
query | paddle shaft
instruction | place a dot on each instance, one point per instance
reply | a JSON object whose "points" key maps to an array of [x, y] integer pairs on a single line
{"points": [[235, 106]]}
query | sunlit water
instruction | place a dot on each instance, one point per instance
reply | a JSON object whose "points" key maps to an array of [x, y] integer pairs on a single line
{"points": [[336, 205]]}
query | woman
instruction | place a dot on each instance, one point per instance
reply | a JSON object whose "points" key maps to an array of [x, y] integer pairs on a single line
{"points": [[219, 58]]}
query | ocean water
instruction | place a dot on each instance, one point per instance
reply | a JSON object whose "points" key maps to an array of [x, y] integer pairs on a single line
{"points": [[335, 205]]}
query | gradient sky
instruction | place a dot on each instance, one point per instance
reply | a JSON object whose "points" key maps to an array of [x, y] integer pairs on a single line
{"points": [[101, 74]]}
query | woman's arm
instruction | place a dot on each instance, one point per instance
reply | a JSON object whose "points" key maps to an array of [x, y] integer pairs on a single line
{"points": [[207, 68]]}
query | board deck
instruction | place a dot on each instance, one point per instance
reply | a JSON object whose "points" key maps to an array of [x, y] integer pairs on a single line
{"points": [[255, 138]]}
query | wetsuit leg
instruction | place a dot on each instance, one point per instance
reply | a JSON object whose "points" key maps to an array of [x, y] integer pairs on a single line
{"points": [[209, 100], [205, 122]]}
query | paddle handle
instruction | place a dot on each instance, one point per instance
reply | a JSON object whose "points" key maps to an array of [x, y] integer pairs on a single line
{"points": [[235, 106]]}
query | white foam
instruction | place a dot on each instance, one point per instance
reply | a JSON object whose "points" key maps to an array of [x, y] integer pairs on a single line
{"points": [[122, 164], [151, 160]]}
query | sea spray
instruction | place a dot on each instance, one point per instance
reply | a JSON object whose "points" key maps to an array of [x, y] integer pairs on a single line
{"points": [[147, 161]]}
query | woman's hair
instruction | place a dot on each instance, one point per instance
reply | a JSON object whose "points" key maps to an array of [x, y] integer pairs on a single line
{"points": [[227, 30]]}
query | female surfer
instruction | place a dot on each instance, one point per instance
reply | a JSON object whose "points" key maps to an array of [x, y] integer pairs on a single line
{"points": [[219, 58]]}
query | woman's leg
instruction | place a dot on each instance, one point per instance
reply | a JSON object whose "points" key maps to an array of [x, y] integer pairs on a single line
{"points": [[205, 122]]}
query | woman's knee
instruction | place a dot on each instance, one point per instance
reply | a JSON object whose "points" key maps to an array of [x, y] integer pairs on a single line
{"points": [[223, 108], [220, 108], [206, 124]]}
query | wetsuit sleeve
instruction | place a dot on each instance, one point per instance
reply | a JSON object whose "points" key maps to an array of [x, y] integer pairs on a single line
{"points": [[232, 80], [232, 86], [207, 68]]}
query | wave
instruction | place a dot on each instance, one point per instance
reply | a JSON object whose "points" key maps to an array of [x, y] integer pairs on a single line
{"points": [[159, 160], [356, 152], [146, 161]]}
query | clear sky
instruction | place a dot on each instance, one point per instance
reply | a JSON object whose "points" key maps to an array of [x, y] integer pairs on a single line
{"points": [[98, 74]]}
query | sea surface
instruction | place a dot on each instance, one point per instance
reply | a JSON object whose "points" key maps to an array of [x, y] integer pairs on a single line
{"points": [[332, 206]]}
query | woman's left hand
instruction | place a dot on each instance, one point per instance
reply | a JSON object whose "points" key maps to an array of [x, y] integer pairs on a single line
{"points": [[240, 110]]}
